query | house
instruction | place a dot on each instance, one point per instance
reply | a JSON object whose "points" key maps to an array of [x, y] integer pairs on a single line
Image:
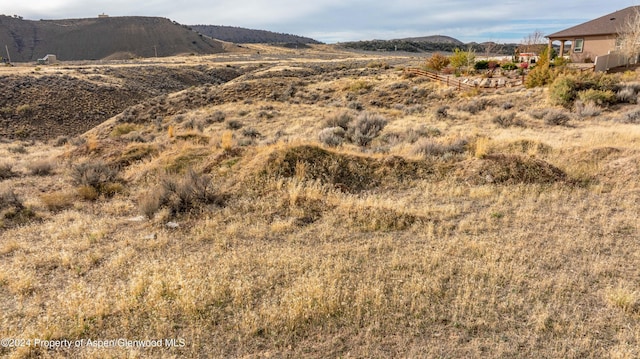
{"points": [[598, 38], [47, 60]]}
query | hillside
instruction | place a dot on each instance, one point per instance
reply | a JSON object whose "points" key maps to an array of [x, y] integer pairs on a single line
{"points": [[426, 44], [99, 38], [323, 207], [241, 35], [434, 39]]}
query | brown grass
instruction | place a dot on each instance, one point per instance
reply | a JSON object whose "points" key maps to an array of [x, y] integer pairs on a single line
{"points": [[521, 242]]}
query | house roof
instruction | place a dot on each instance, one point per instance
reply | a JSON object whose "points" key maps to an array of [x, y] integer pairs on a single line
{"points": [[605, 25]]}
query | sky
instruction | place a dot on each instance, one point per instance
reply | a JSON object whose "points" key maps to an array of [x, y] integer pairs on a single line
{"points": [[332, 21]]}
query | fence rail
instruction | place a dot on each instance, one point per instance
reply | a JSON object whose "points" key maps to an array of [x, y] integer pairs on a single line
{"points": [[461, 84]]}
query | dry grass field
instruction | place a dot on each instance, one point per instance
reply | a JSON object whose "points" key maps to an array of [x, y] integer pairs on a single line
{"points": [[326, 205]]}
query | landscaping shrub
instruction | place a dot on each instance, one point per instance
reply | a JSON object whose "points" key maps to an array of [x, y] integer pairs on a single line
{"points": [[437, 62], [565, 88], [563, 91], [539, 76], [598, 97], [481, 65], [509, 66]]}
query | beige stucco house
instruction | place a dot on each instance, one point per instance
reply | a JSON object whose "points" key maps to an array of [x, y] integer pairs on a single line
{"points": [[595, 38]]}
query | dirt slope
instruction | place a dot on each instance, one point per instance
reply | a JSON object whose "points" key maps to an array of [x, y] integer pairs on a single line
{"points": [[98, 38]]}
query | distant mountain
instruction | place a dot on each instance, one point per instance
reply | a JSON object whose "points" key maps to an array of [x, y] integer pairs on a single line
{"points": [[241, 35], [436, 43], [434, 39], [99, 38]]}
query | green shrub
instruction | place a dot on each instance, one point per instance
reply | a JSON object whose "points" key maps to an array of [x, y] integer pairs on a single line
{"points": [[599, 97], [565, 88], [539, 76], [481, 65], [509, 66], [563, 91]]}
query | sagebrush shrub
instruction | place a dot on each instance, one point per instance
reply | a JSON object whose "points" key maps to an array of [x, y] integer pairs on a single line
{"points": [[8, 199], [41, 167], [556, 118], [632, 116], [432, 147], [507, 120], [342, 120], [180, 194], [473, 106], [93, 178], [366, 128], [6, 171], [588, 109], [627, 93], [332, 136]]}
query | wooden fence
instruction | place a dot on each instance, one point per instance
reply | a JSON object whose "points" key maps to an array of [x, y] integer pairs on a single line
{"points": [[461, 84]]}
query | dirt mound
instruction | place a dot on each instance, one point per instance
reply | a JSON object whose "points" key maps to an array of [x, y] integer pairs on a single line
{"points": [[624, 170], [347, 172], [596, 154], [511, 169]]}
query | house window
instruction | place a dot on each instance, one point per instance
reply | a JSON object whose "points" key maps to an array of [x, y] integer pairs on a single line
{"points": [[577, 45]]}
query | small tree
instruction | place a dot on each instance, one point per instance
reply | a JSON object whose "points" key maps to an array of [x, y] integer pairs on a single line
{"points": [[461, 59], [629, 35], [533, 42]]}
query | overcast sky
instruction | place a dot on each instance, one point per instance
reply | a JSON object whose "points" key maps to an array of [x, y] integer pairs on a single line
{"points": [[333, 21]]}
